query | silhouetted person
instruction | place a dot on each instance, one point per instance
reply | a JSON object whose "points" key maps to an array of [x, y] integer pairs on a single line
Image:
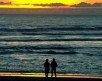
{"points": [[53, 67], [47, 67]]}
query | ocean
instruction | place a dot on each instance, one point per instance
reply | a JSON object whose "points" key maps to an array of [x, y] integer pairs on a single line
{"points": [[74, 41]]}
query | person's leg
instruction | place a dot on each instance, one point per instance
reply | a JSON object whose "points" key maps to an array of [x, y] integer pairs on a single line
{"points": [[46, 74], [55, 71], [51, 72]]}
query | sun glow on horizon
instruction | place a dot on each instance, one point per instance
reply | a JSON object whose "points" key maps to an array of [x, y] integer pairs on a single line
{"points": [[45, 2], [69, 2], [42, 3]]}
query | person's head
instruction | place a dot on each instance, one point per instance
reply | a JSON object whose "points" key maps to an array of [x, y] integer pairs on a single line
{"points": [[46, 60], [53, 59]]}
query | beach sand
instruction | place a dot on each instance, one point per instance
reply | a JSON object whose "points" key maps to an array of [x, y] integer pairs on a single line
{"points": [[40, 77]]}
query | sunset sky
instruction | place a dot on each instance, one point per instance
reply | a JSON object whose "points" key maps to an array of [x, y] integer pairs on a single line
{"points": [[73, 7], [53, 1], [28, 3]]}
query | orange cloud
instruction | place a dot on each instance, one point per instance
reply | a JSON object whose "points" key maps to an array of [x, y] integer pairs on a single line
{"points": [[5, 0], [93, 1]]}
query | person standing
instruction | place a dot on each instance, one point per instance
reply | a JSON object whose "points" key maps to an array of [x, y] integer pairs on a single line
{"points": [[47, 67], [53, 67]]}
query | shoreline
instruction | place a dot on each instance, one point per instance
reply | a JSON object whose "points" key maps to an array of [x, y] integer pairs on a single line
{"points": [[21, 74], [41, 77]]}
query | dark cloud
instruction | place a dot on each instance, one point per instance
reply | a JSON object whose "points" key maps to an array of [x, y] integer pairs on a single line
{"points": [[57, 4], [84, 4], [5, 3], [51, 4], [97, 5]]}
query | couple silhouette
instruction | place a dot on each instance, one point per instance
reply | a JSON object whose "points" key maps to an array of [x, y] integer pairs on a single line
{"points": [[53, 66]]}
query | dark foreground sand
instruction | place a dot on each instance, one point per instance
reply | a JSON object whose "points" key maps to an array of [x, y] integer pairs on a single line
{"points": [[40, 77], [45, 79]]}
